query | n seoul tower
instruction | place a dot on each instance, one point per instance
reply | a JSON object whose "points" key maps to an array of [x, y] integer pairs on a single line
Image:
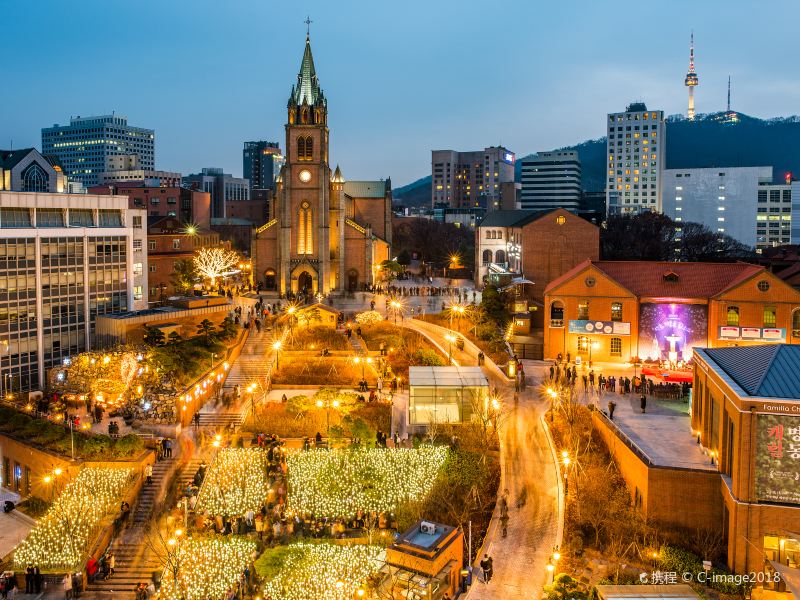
{"points": [[691, 80]]}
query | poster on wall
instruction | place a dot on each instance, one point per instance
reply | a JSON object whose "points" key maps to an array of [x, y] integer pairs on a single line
{"points": [[669, 332], [778, 459]]}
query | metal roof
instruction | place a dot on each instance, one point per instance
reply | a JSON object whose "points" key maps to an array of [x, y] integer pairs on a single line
{"points": [[447, 376], [512, 218], [365, 189], [768, 371]]}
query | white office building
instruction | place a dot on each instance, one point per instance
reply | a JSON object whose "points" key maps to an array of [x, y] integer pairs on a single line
{"points": [[636, 147], [64, 259], [726, 199], [551, 180], [774, 218]]}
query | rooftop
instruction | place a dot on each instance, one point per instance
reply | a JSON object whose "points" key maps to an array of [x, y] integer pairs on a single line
{"points": [[365, 189], [647, 279], [642, 592], [511, 218], [768, 371], [424, 540], [663, 435], [447, 376]]}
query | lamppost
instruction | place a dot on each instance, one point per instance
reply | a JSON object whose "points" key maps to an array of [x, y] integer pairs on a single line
{"points": [[213, 356], [450, 339], [52, 477], [553, 395], [458, 310], [592, 344], [566, 460], [327, 404], [396, 306], [251, 389], [277, 347], [363, 362]]}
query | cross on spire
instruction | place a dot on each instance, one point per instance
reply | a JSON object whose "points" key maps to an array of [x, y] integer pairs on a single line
{"points": [[308, 23]]}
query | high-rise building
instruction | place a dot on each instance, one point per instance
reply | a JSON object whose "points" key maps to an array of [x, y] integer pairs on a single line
{"points": [[64, 259], [261, 163], [191, 207], [551, 180], [470, 179], [774, 218], [635, 160], [89, 146], [223, 187], [724, 199]]}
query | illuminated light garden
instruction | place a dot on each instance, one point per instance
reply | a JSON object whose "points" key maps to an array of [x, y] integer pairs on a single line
{"points": [[324, 571], [339, 483], [206, 568], [59, 539], [236, 482]]}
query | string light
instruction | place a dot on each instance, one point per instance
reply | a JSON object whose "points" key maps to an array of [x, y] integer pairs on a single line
{"points": [[60, 537], [324, 571], [235, 483], [206, 568], [339, 483]]}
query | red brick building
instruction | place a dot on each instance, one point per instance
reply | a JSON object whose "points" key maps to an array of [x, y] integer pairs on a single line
{"points": [[191, 207]]}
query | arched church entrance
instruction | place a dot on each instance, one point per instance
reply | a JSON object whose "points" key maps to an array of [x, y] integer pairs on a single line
{"points": [[305, 283], [352, 280], [270, 282]]}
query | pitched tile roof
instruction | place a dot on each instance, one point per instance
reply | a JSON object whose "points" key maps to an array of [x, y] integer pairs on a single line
{"points": [[768, 371], [669, 279]]}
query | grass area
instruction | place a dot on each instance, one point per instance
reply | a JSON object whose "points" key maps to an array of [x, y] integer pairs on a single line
{"points": [[331, 371], [44, 434], [316, 338], [362, 420], [34, 507]]}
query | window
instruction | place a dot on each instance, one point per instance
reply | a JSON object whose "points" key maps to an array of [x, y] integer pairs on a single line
{"points": [[110, 218], [305, 227], [172, 200], [301, 148], [583, 343], [137, 245], [138, 269], [15, 217], [487, 257], [616, 311], [500, 256], [557, 314], [137, 292], [616, 346], [770, 316], [176, 244], [152, 268], [733, 316], [34, 179], [151, 244], [49, 217], [796, 323], [583, 311], [763, 285], [137, 222], [155, 201]]}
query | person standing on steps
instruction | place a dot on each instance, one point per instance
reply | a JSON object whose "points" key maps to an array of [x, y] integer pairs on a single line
{"points": [[148, 473]]}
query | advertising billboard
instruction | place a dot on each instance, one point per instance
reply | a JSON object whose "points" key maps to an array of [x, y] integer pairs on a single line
{"points": [[600, 327], [757, 334], [778, 459], [671, 331]]}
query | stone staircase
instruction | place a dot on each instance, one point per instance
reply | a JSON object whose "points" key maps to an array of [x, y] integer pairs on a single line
{"points": [[251, 367], [147, 497], [187, 472], [135, 563]]}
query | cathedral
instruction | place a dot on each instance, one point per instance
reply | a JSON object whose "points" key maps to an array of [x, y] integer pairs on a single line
{"points": [[325, 234]]}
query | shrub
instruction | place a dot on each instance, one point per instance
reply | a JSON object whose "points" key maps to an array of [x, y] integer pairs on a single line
{"points": [[369, 317], [427, 357], [129, 445], [318, 337]]}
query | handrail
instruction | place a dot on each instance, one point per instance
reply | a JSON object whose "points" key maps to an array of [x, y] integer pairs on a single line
{"points": [[632, 446]]}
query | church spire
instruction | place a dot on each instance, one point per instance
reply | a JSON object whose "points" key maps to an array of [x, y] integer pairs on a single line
{"points": [[307, 89]]}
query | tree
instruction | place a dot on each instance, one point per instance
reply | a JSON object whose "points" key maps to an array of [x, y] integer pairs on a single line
{"points": [[564, 587], [215, 262], [390, 270], [153, 336], [696, 243], [206, 329], [643, 236], [493, 306], [184, 275], [309, 315], [174, 337], [434, 241], [404, 257]]}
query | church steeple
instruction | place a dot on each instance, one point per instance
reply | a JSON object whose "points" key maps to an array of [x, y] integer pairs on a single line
{"points": [[307, 90]]}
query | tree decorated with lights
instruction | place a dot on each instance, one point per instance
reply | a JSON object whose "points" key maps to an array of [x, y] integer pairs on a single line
{"points": [[213, 263], [235, 482], [369, 317]]}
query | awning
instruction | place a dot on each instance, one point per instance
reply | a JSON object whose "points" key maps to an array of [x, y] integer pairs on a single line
{"points": [[790, 576], [517, 281]]}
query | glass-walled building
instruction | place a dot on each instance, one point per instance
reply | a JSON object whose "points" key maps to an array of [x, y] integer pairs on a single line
{"points": [[445, 395], [63, 261]]}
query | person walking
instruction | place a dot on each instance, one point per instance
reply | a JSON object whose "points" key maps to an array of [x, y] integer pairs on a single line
{"points": [[643, 403], [487, 567], [148, 473], [67, 586], [504, 524]]}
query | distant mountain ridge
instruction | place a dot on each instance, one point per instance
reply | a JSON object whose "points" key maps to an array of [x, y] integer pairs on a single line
{"points": [[711, 140]]}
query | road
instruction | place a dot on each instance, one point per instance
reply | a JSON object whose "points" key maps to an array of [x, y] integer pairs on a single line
{"points": [[528, 472]]}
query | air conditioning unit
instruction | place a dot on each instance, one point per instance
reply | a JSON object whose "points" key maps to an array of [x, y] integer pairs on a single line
{"points": [[426, 527]]}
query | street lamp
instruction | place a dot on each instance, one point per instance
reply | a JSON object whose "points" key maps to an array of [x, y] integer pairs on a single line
{"points": [[251, 389], [450, 339], [553, 395], [459, 310], [396, 306], [213, 356], [327, 404], [277, 347], [592, 344], [363, 362]]}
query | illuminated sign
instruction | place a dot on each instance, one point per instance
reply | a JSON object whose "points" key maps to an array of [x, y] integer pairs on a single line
{"points": [[777, 459], [600, 327], [672, 331], [508, 157], [756, 334]]}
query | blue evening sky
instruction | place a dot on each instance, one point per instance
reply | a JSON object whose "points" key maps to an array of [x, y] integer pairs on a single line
{"points": [[401, 78]]}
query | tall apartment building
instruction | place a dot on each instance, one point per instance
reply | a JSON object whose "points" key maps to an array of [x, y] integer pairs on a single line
{"points": [[721, 198], [63, 261], [774, 218], [551, 180], [261, 163], [89, 146], [223, 187], [470, 179], [636, 147]]}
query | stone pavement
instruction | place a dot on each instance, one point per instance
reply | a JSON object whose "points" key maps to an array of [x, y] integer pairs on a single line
{"points": [[14, 526]]}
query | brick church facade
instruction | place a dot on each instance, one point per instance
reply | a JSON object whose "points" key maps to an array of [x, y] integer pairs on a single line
{"points": [[325, 234]]}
